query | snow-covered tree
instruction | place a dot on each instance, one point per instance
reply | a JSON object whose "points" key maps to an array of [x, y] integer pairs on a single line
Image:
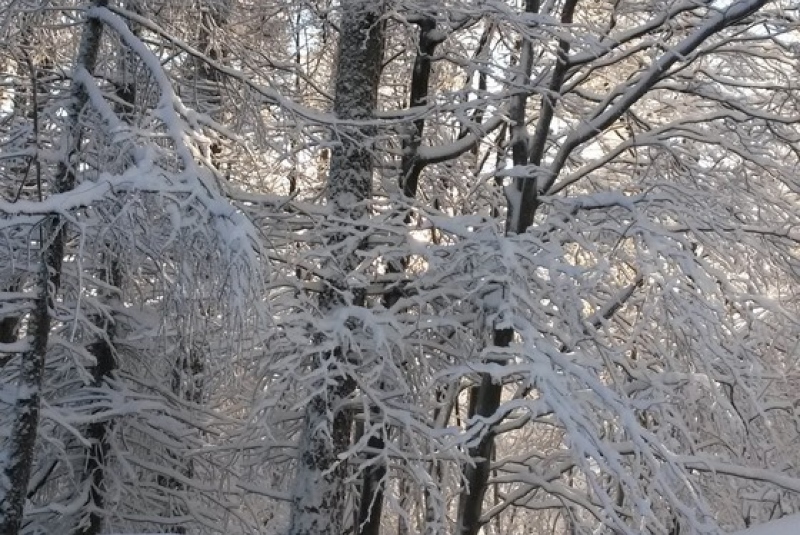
{"points": [[118, 235], [508, 266]]}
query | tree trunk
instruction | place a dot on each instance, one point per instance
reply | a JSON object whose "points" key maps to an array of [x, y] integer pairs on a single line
{"points": [[319, 498], [371, 504], [487, 396], [103, 350], [9, 323], [19, 457], [98, 433], [208, 95], [411, 167]]}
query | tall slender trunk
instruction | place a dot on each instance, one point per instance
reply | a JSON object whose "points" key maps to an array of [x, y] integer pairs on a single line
{"points": [[487, 396], [208, 94], [372, 486], [99, 432], [410, 166], [18, 459], [103, 349], [28, 101], [319, 498], [485, 399]]}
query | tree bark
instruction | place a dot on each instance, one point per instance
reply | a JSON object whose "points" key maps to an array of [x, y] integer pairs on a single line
{"points": [[319, 497], [411, 167], [486, 397], [371, 500], [22, 442], [98, 433]]}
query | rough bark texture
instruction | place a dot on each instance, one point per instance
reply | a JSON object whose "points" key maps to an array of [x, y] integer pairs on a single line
{"points": [[318, 501]]}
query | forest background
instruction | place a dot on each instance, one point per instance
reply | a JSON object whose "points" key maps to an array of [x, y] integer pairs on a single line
{"points": [[393, 266]]}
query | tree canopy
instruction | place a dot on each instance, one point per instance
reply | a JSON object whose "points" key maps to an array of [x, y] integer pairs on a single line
{"points": [[395, 266]]}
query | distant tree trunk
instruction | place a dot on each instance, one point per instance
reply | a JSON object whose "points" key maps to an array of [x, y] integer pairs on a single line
{"points": [[27, 99], [485, 399], [98, 432], [411, 167], [8, 325], [214, 16], [190, 365], [371, 506], [319, 498], [22, 442], [371, 500]]}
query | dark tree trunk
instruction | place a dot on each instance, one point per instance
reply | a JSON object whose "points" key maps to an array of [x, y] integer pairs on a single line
{"points": [[17, 469], [371, 504]]}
